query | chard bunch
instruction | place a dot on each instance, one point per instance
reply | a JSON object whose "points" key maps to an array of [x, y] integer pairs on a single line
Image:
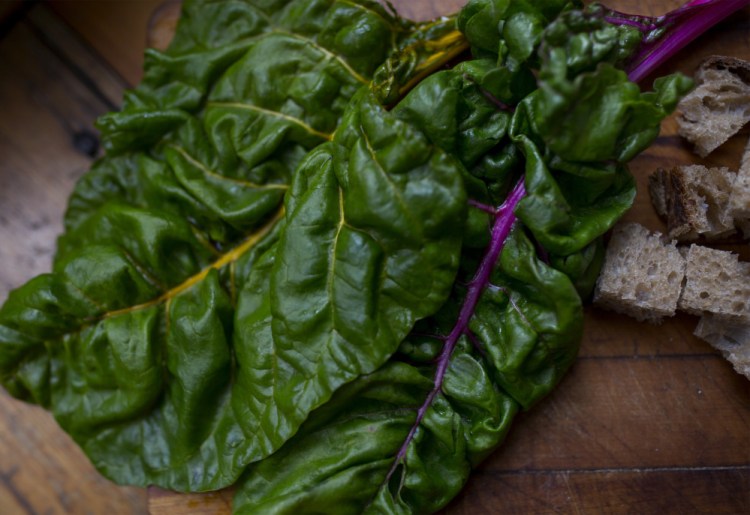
{"points": [[331, 253]]}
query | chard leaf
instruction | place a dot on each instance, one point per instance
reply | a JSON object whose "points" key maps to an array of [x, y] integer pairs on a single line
{"points": [[134, 329], [529, 322], [370, 244], [424, 51], [509, 30], [473, 127], [368, 420], [567, 208], [522, 337], [225, 115], [504, 341], [616, 121], [579, 130], [193, 326], [129, 340], [116, 341], [286, 57]]}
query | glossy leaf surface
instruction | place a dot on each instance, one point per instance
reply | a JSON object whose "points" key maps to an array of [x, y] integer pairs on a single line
{"points": [[370, 245], [273, 271], [133, 334], [463, 373], [524, 335], [368, 423]]}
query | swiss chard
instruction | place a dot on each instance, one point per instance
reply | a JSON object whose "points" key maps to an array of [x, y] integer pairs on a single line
{"points": [[289, 261], [370, 244], [133, 335], [516, 325]]}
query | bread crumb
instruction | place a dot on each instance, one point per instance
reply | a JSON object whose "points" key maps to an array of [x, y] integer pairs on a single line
{"points": [[719, 106], [716, 282], [730, 337], [642, 274]]}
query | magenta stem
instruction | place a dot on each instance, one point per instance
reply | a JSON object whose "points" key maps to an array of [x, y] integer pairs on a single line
{"points": [[684, 25], [504, 220]]}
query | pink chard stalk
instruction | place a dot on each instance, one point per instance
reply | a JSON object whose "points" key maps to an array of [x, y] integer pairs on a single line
{"points": [[504, 219], [663, 37]]}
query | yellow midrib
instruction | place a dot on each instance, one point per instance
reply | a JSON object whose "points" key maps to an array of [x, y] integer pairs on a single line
{"points": [[226, 259], [452, 45]]}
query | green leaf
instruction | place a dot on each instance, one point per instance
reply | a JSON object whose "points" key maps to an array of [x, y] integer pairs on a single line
{"points": [[370, 245], [137, 331], [529, 322], [430, 47], [524, 336], [509, 30], [244, 100], [569, 207], [612, 118], [369, 420], [524, 332], [577, 136], [134, 330], [193, 325], [317, 45]]}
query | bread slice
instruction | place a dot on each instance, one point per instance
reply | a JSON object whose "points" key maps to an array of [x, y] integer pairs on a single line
{"points": [[719, 106], [642, 274], [716, 282], [730, 337], [739, 198], [694, 201]]}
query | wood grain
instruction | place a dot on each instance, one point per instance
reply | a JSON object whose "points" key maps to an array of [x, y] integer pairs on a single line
{"points": [[638, 413], [47, 103], [43, 471], [45, 107], [118, 30], [607, 492], [650, 420]]}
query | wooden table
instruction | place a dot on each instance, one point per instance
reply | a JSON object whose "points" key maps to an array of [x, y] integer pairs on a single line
{"points": [[649, 420]]}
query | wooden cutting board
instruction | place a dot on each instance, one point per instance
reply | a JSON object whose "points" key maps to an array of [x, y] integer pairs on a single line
{"points": [[649, 420]]}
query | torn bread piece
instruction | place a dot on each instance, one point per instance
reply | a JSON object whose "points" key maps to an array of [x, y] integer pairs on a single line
{"points": [[739, 199], [719, 106], [730, 337], [694, 201], [642, 274], [716, 282]]}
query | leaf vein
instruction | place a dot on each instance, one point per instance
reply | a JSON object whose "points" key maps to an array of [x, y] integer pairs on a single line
{"points": [[332, 267], [226, 259], [393, 186], [330, 55], [207, 171], [276, 114]]}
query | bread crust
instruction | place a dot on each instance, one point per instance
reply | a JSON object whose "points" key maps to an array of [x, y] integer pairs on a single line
{"points": [[719, 106], [739, 199], [730, 337], [733, 65], [693, 200]]}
